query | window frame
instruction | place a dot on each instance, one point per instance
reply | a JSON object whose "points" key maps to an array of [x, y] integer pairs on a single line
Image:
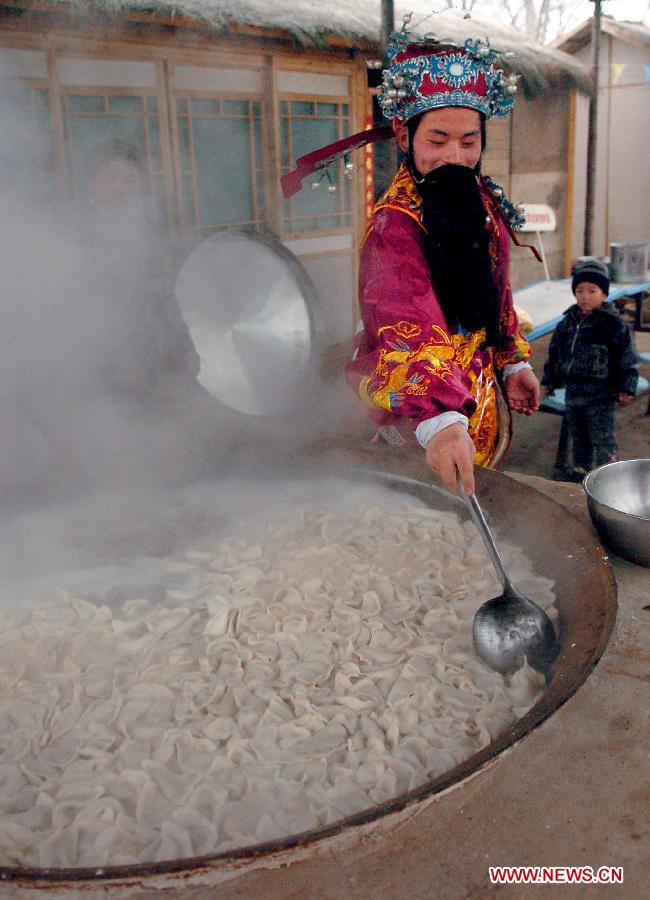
{"points": [[31, 84], [257, 175], [106, 91], [286, 231], [267, 63]]}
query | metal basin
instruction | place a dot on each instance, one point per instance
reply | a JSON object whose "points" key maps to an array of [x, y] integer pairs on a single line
{"points": [[618, 497], [558, 544]]}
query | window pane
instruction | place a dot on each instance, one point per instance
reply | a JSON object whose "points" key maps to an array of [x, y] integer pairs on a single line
{"points": [[261, 205], [132, 105], [301, 108], [43, 124], [159, 197], [88, 131], [84, 103], [152, 104], [223, 165], [326, 207], [205, 107], [320, 201], [154, 139], [310, 134], [188, 202], [329, 221], [305, 225], [285, 132], [224, 154], [181, 105], [41, 100], [235, 107], [257, 128], [183, 143]]}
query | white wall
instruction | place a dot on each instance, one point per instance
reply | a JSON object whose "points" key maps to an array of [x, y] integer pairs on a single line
{"points": [[622, 210], [629, 148], [579, 166]]}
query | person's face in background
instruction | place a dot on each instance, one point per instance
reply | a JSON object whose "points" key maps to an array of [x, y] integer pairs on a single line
{"points": [[116, 185], [120, 214], [447, 135]]}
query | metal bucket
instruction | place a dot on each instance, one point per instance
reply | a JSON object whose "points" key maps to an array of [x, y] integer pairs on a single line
{"points": [[558, 544], [628, 262]]}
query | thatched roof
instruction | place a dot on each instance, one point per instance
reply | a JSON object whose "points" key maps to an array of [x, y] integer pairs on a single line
{"points": [[635, 33], [357, 23]]}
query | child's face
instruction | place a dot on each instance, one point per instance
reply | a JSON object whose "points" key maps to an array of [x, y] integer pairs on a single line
{"points": [[589, 296]]}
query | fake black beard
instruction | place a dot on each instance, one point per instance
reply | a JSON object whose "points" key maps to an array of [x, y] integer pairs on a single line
{"points": [[457, 248]]}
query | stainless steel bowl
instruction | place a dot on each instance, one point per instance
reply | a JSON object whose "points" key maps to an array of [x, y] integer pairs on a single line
{"points": [[618, 496]]}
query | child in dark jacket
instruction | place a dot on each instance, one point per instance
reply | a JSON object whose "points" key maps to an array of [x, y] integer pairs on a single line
{"points": [[592, 355]]}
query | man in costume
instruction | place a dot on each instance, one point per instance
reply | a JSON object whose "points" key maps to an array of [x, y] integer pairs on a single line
{"points": [[439, 327]]}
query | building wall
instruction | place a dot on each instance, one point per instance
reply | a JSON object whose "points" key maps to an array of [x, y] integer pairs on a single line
{"points": [[527, 155], [219, 121], [628, 146], [622, 213]]}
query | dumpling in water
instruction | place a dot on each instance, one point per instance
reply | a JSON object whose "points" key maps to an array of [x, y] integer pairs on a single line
{"points": [[282, 683]]}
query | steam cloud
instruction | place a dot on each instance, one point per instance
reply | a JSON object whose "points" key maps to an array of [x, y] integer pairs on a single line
{"points": [[75, 437]]}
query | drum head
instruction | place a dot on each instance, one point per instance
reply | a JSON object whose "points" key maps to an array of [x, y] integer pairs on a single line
{"points": [[248, 304]]}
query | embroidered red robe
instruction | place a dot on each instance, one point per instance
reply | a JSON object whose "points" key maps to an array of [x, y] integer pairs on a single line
{"points": [[408, 361]]}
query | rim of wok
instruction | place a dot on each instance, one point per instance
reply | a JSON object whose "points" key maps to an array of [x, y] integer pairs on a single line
{"points": [[556, 693]]}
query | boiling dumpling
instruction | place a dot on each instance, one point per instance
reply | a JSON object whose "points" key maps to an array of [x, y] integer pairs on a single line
{"points": [[283, 683]]}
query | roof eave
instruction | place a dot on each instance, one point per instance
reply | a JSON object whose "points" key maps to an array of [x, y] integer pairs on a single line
{"points": [[580, 36], [537, 77], [195, 23]]}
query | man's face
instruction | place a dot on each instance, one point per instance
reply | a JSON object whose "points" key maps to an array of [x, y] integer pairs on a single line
{"points": [[589, 296], [446, 135], [116, 185]]}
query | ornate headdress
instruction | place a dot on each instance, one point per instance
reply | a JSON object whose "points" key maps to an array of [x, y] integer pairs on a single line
{"points": [[430, 74], [423, 75]]}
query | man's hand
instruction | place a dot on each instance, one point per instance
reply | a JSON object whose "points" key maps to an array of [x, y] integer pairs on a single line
{"points": [[452, 449], [522, 391]]}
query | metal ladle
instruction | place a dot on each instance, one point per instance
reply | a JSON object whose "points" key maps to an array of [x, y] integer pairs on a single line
{"points": [[509, 627]]}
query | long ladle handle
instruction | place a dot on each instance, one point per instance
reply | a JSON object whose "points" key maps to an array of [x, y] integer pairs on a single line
{"points": [[478, 518]]}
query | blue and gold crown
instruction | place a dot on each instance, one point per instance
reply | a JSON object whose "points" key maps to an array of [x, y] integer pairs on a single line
{"points": [[430, 74]]}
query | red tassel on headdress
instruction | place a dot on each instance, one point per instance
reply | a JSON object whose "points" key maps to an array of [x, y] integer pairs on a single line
{"points": [[515, 240], [320, 159]]}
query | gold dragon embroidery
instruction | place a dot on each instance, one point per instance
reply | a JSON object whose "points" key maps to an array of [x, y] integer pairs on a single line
{"points": [[393, 378]]}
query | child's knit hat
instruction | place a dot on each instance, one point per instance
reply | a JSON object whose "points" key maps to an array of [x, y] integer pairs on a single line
{"points": [[593, 271]]}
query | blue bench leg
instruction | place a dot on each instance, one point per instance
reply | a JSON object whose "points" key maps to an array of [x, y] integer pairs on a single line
{"points": [[560, 467]]}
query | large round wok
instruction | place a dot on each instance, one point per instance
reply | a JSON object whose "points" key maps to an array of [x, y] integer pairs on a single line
{"points": [[560, 547]]}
